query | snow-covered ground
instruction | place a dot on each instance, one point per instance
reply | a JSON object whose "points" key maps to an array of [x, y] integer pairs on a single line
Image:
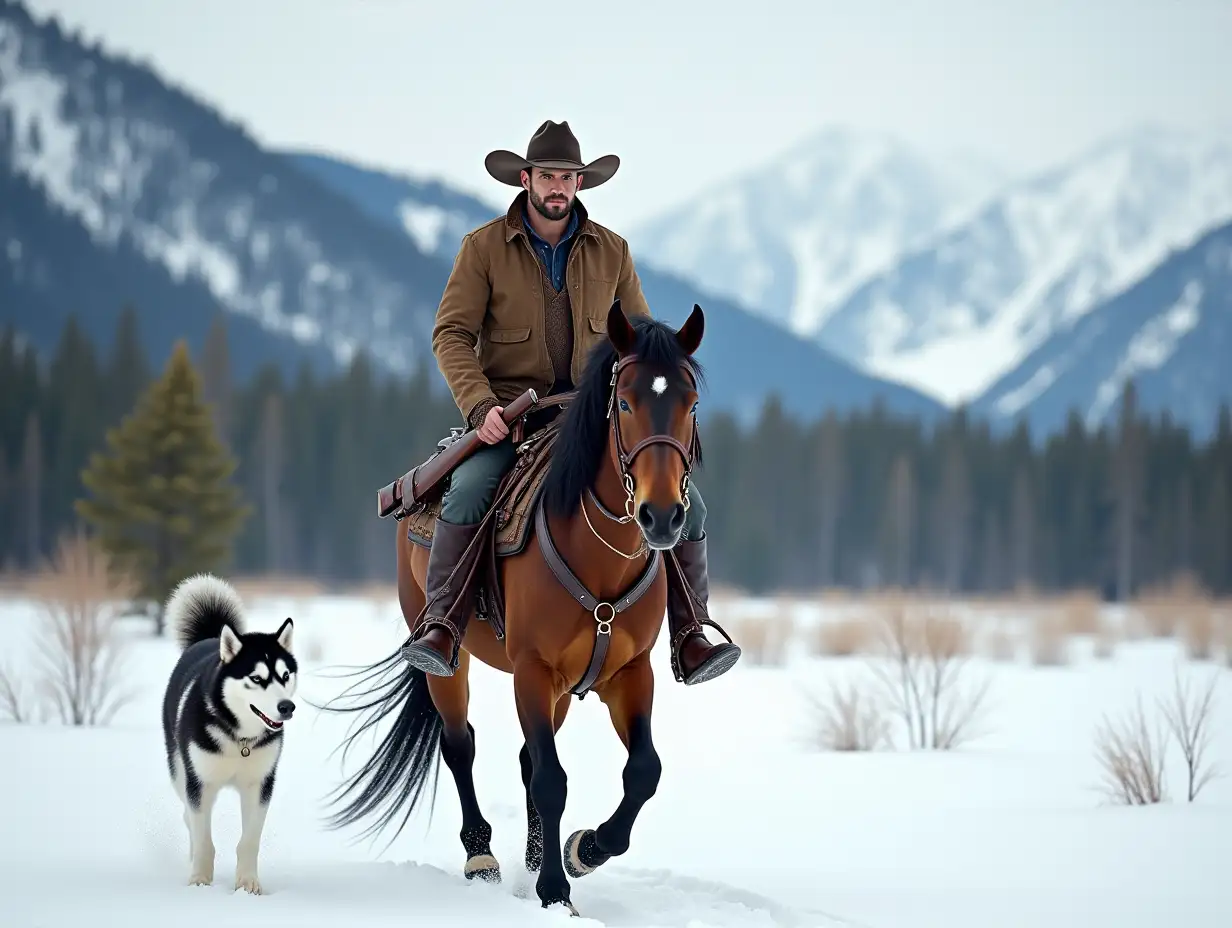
{"points": [[751, 825]]}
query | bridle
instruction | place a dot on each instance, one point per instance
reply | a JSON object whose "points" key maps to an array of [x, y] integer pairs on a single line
{"points": [[624, 459]]}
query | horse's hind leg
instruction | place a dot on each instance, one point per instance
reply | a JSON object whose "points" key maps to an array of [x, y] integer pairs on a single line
{"points": [[534, 825], [452, 697], [628, 697]]}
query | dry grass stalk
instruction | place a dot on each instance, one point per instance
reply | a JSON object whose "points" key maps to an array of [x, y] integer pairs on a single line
{"points": [[854, 720], [764, 640], [78, 594], [1164, 609], [1106, 640], [1200, 631], [843, 637], [1132, 759], [1188, 719], [1080, 613], [1002, 642], [921, 667], [262, 586], [1050, 640]]}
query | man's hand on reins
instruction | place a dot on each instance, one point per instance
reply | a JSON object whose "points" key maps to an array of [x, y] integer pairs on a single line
{"points": [[493, 427]]}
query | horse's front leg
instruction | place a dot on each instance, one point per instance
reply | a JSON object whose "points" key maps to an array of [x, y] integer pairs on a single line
{"points": [[534, 689], [534, 827], [628, 697]]}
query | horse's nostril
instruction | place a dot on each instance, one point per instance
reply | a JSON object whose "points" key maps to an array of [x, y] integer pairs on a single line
{"points": [[645, 517], [677, 517]]}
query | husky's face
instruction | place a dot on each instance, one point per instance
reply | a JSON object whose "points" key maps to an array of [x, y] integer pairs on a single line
{"points": [[259, 677]]}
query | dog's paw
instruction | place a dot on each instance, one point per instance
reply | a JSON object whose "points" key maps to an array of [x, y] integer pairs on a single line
{"points": [[248, 882]]}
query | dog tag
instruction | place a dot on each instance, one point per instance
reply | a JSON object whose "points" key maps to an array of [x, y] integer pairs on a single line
{"points": [[245, 751]]}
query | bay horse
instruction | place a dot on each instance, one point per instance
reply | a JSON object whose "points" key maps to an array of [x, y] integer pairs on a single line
{"points": [[586, 602]]}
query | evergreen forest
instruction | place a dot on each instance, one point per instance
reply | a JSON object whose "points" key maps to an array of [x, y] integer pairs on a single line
{"points": [[854, 500]]}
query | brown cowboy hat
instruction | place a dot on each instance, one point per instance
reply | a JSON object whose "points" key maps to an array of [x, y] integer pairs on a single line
{"points": [[552, 146]]}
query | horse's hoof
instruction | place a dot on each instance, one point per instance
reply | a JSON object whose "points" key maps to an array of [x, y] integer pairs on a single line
{"points": [[581, 854], [483, 867], [553, 890]]}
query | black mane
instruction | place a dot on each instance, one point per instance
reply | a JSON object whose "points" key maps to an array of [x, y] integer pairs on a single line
{"points": [[584, 430]]}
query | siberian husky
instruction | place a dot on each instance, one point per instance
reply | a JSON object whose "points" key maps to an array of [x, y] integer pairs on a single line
{"points": [[224, 708]]}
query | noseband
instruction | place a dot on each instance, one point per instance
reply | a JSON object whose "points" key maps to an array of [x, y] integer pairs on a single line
{"points": [[624, 459]]}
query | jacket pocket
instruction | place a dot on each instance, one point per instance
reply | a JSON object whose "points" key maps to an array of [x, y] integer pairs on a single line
{"points": [[508, 336], [598, 325]]}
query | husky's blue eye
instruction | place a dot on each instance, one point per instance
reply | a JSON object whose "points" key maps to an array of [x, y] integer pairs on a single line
{"points": [[256, 680]]}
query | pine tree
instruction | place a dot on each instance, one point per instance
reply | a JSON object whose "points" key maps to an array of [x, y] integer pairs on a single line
{"points": [[163, 503]]}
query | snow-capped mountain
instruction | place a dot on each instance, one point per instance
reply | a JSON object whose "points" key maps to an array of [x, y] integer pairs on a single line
{"points": [[793, 238], [138, 163], [952, 317], [434, 215], [118, 189], [1171, 333]]}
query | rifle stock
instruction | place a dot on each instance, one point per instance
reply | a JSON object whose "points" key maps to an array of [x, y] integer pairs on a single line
{"points": [[395, 498]]}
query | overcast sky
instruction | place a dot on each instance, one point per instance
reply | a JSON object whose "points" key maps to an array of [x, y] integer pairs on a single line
{"points": [[685, 93]]}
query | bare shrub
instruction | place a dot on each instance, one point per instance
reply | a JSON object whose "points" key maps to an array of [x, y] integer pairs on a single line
{"points": [[16, 705], [1050, 640], [1131, 756], [78, 593], [850, 720], [1188, 719], [843, 637], [921, 663]]}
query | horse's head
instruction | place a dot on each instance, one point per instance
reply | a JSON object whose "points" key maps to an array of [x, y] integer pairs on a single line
{"points": [[652, 408]]}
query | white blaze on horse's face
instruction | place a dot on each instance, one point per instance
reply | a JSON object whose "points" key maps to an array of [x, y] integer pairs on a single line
{"points": [[659, 386]]}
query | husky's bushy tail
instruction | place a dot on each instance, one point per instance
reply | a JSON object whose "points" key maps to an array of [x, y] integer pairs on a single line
{"points": [[201, 606]]}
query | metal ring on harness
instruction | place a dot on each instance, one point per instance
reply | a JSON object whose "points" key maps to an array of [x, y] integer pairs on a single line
{"points": [[604, 625]]}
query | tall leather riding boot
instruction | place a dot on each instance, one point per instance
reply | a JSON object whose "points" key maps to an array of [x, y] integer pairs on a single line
{"points": [[694, 659], [436, 640]]}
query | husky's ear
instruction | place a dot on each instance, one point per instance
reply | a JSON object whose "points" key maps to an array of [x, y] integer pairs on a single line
{"points": [[229, 644], [284, 634]]}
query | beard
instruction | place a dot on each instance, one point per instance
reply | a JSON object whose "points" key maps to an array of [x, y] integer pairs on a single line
{"points": [[554, 208]]}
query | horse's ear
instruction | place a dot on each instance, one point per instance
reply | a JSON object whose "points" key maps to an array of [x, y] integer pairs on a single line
{"points": [[619, 331], [689, 335]]}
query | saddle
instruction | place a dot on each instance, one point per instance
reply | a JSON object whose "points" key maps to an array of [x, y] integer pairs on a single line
{"points": [[510, 520]]}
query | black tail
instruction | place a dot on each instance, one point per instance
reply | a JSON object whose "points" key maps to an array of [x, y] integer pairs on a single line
{"points": [[201, 606], [399, 768]]}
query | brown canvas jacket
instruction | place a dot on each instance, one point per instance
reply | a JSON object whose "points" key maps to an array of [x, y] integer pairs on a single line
{"points": [[489, 333]]}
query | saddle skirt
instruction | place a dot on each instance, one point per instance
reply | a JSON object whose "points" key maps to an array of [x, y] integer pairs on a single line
{"points": [[518, 493]]}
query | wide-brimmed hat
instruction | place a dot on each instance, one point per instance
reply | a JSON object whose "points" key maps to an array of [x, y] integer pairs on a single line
{"points": [[552, 146]]}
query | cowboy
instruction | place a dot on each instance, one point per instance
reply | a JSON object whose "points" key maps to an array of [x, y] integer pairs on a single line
{"points": [[532, 290]]}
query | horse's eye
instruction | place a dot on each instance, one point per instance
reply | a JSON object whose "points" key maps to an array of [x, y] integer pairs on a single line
{"points": [[624, 405]]}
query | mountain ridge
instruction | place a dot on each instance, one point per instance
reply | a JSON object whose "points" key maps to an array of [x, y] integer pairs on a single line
{"points": [[1171, 333]]}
